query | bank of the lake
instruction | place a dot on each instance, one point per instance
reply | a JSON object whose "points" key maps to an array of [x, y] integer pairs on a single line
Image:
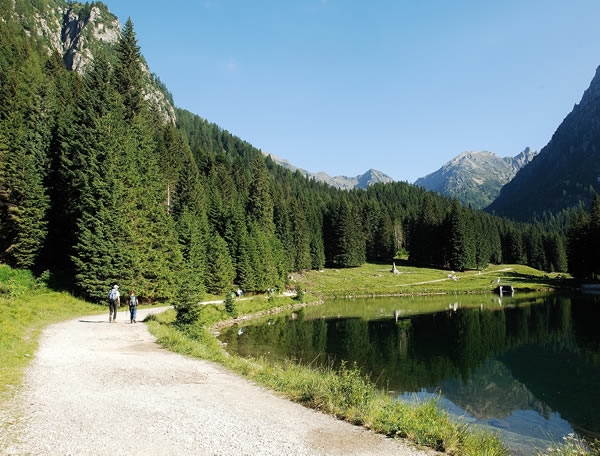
{"points": [[502, 363], [377, 279], [28, 305], [347, 393]]}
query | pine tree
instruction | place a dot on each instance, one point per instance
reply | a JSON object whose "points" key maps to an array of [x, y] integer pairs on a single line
{"points": [[25, 132], [220, 272], [128, 73], [260, 201], [230, 306], [151, 250], [385, 239], [186, 305], [594, 237], [300, 237], [460, 247], [345, 243]]}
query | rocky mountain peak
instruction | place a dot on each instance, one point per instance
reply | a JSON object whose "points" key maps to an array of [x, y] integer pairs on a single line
{"points": [[592, 93], [475, 178], [372, 176], [77, 32], [520, 160]]}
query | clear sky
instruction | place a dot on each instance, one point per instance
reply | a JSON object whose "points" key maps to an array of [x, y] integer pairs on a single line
{"points": [[400, 86]]}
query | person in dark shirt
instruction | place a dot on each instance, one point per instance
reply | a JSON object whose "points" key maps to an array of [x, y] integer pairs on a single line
{"points": [[132, 306]]}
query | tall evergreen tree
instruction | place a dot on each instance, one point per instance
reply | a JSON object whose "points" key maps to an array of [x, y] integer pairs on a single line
{"points": [[220, 271], [346, 244], [128, 74], [91, 161], [461, 245], [25, 131], [260, 202], [579, 259]]}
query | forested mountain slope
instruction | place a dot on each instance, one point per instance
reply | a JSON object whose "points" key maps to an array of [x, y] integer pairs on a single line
{"points": [[566, 172], [475, 178], [98, 186]]}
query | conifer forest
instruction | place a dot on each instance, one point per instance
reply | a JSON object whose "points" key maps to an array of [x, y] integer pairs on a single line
{"points": [[97, 187]]}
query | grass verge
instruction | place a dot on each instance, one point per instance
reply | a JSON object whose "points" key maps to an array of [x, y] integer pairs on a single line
{"points": [[26, 306], [345, 394]]}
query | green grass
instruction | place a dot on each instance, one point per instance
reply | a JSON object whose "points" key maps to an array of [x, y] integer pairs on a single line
{"points": [[346, 394], [572, 446], [26, 306], [375, 279]]}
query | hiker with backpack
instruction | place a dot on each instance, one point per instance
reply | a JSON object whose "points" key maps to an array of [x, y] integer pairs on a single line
{"points": [[114, 301], [132, 306]]}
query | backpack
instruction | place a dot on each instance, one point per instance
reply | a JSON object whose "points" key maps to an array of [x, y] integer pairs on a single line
{"points": [[132, 301], [112, 294]]}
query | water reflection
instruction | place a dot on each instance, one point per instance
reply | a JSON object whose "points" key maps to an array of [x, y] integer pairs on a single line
{"points": [[527, 365]]}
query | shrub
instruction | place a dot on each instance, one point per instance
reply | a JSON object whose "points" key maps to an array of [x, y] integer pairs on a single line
{"points": [[186, 306], [230, 307], [299, 293]]}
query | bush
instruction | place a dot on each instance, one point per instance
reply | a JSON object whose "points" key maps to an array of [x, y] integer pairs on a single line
{"points": [[187, 307], [299, 293], [230, 307]]}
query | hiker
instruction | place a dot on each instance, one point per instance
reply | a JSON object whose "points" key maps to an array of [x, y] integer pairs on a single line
{"points": [[114, 301], [132, 306]]}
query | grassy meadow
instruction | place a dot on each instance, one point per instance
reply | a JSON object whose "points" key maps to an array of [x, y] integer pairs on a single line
{"points": [[375, 279]]}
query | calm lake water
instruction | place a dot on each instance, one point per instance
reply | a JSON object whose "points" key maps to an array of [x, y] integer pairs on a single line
{"points": [[528, 366]]}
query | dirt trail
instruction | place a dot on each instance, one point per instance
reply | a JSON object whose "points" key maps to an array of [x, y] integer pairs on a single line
{"points": [[464, 276], [108, 389]]}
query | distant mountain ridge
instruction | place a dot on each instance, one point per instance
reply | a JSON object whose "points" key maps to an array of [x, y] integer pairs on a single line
{"points": [[370, 177], [566, 172], [475, 178]]}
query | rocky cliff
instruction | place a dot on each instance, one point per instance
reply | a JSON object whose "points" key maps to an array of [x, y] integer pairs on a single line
{"points": [[77, 32]]}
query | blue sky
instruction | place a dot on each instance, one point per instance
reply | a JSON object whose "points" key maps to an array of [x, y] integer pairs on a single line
{"points": [[399, 86]]}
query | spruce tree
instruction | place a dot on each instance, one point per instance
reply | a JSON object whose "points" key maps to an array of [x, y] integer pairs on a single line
{"points": [[91, 162], [579, 259], [594, 238], [128, 73], [25, 132], [300, 236], [151, 250], [260, 201], [346, 241], [460, 246], [220, 271]]}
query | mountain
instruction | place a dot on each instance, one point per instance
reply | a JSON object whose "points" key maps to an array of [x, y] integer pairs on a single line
{"points": [[78, 32], [475, 178], [566, 172], [371, 177]]}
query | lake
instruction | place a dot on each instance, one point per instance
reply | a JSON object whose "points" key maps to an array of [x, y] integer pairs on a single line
{"points": [[526, 366]]}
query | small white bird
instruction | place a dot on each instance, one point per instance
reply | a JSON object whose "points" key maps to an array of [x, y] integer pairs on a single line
{"points": [[240, 331]]}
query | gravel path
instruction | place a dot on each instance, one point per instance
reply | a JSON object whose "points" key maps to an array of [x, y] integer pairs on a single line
{"points": [[96, 388]]}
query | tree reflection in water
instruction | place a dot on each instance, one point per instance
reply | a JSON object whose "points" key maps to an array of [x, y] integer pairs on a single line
{"points": [[538, 353]]}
